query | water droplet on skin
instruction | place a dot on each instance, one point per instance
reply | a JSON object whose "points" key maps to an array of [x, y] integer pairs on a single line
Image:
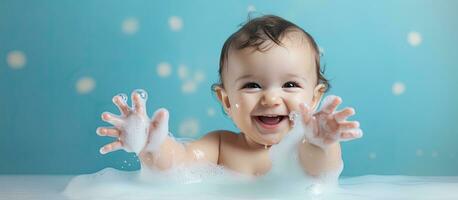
{"points": [[237, 105], [143, 94]]}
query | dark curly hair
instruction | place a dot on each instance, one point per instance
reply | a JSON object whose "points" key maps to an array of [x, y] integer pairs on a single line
{"points": [[255, 32]]}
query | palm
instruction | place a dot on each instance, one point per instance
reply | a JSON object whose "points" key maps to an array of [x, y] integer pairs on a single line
{"points": [[133, 129], [328, 126]]}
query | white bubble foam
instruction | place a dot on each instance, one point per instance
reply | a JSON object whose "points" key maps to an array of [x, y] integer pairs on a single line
{"points": [[136, 133]]}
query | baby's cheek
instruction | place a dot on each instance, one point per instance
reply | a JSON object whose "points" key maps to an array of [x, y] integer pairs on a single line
{"points": [[295, 100]]}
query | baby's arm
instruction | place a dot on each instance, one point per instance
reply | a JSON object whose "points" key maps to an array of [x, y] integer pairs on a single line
{"points": [[150, 139], [320, 151], [172, 153]]}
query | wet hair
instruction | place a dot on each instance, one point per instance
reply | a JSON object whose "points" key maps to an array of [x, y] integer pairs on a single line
{"points": [[257, 33]]}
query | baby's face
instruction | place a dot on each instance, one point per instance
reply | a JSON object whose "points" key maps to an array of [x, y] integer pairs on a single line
{"points": [[262, 88]]}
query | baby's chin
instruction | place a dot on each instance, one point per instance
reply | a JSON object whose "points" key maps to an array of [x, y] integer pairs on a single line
{"points": [[271, 138]]}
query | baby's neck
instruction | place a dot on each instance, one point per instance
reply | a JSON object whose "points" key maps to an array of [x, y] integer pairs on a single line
{"points": [[252, 144]]}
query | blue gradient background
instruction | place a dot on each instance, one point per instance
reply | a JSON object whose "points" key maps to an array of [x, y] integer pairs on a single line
{"points": [[47, 127]]}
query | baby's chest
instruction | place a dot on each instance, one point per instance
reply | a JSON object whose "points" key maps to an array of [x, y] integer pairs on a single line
{"points": [[245, 162]]}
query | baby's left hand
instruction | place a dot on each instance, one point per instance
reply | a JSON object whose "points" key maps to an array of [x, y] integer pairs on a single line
{"points": [[328, 126]]}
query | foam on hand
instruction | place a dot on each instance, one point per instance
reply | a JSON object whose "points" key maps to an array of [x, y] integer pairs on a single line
{"points": [[286, 165], [135, 125]]}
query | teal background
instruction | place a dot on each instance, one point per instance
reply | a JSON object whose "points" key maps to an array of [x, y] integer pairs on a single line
{"points": [[48, 127]]}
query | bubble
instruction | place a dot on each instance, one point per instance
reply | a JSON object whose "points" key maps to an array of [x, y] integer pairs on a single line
{"points": [[198, 154], [372, 155], [414, 38], [123, 97], [211, 112], [398, 88], [143, 94], [130, 26], [251, 8], [182, 71], [189, 127], [175, 23], [16, 59], [85, 85], [419, 152], [189, 86], [199, 76], [293, 115], [321, 51], [164, 69]]}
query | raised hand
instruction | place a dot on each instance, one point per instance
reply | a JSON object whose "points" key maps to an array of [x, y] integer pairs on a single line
{"points": [[328, 126], [130, 128]]}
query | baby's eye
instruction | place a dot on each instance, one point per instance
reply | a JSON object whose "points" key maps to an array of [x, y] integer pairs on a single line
{"points": [[291, 84], [251, 85]]}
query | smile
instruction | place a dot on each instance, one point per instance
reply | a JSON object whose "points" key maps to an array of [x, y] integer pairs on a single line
{"points": [[270, 122]]}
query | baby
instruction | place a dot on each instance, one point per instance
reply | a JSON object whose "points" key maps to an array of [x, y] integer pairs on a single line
{"points": [[269, 69]]}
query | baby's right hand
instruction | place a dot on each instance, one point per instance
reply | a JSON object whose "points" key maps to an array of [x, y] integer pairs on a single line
{"points": [[133, 128]]}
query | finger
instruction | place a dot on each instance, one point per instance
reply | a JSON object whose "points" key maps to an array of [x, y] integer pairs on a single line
{"points": [[114, 146], [160, 118], [108, 131], [343, 126], [330, 104], [306, 112], [351, 134], [112, 118], [344, 114], [120, 101], [159, 129], [139, 98]]}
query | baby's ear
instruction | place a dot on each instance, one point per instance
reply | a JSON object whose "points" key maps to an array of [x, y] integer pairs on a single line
{"points": [[317, 96], [222, 97]]}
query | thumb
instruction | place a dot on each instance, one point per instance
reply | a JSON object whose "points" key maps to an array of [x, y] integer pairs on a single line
{"points": [[159, 129]]}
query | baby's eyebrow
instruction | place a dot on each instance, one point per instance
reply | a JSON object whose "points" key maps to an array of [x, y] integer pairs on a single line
{"points": [[296, 76], [243, 77]]}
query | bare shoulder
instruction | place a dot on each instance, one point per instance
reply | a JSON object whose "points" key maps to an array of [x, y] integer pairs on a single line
{"points": [[210, 143]]}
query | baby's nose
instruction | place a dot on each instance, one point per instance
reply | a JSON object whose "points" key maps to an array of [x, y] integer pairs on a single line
{"points": [[270, 99]]}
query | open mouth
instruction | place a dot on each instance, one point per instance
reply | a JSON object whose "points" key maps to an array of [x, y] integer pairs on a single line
{"points": [[270, 121]]}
